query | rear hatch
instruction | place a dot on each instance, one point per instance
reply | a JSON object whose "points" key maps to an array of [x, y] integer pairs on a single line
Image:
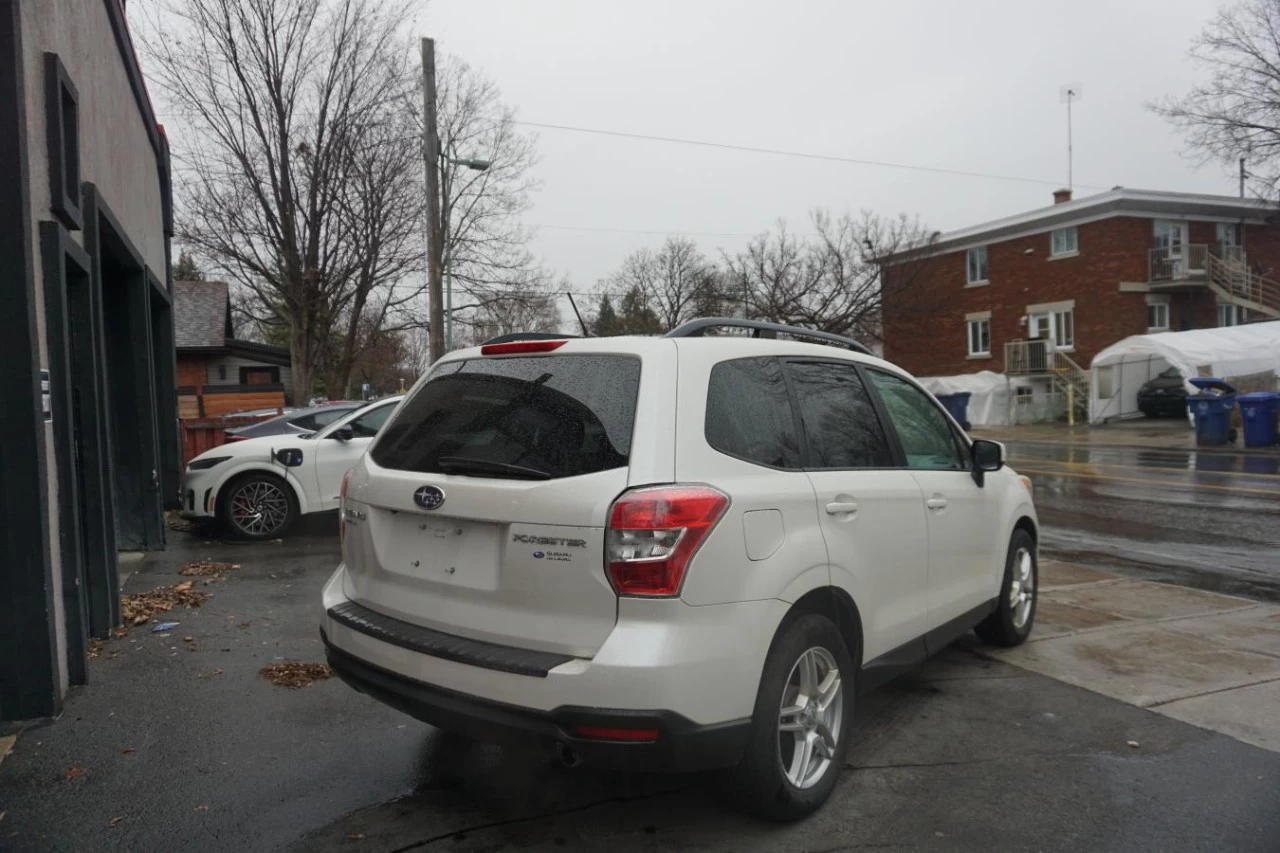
{"points": [[485, 500]]}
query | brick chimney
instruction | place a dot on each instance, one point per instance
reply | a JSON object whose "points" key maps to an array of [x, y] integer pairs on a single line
{"points": [[1061, 196]]}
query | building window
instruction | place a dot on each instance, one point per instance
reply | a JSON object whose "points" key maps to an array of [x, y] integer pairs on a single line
{"points": [[1064, 328], [977, 262], [1064, 241], [1157, 313], [980, 337], [1226, 238], [222, 372], [62, 134], [1230, 315]]}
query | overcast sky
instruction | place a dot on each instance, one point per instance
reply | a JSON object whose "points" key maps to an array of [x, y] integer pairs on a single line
{"points": [[969, 86]]}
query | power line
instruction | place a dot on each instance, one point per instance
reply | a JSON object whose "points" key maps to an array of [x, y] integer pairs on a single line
{"points": [[831, 158], [672, 233]]}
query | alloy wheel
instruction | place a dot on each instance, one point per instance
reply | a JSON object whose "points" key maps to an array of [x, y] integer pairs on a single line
{"points": [[809, 721], [259, 508], [1022, 589]]}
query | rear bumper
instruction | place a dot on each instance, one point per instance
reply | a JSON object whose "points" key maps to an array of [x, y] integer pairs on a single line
{"points": [[680, 745]]}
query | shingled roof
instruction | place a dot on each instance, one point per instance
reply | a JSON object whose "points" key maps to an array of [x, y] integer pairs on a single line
{"points": [[201, 314]]}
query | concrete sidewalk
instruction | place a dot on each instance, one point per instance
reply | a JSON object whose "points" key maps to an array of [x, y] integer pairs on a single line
{"points": [[1159, 434], [1207, 659]]}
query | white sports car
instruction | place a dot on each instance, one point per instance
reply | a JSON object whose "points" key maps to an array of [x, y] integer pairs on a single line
{"points": [[258, 487]]}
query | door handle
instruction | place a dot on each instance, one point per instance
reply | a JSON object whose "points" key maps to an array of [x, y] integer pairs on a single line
{"points": [[842, 507], [936, 502]]}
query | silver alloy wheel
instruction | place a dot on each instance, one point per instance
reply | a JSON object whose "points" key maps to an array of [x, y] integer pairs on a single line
{"points": [[259, 508], [810, 718], [1022, 590]]}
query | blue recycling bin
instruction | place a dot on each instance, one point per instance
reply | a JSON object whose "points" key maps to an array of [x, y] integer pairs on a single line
{"points": [[1211, 409], [957, 405], [1258, 414]]}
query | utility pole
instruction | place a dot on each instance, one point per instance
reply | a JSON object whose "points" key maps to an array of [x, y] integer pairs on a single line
{"points": [[431, 159], [1242, 176]]}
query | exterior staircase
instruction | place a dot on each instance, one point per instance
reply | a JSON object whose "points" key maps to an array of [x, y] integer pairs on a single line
{"points": [[1232, 281], [1038, 359]]}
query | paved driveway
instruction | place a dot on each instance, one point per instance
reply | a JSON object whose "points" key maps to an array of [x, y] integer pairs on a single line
{"points": [[192, 751]]}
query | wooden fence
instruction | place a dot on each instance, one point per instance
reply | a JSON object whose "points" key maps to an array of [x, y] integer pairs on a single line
{"points": [[202, 413], [211, 401]]}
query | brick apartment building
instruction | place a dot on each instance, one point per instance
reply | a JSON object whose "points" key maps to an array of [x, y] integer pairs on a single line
{"points": [[1080, 275]]}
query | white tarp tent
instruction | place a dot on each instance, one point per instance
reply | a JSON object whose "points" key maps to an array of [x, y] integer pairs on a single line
{"points": [[1235, 351], [990, 403]]}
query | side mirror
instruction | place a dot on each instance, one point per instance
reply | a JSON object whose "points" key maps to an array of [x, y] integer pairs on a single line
{"points": [[289, 458], [343, 434], [986, 456]]}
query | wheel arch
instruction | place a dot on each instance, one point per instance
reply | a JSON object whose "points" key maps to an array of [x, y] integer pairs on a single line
{"points": [[838, 606], [1027, 523], [299, 493]]}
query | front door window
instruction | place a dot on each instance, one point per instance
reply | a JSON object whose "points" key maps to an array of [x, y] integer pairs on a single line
{"points": [[1171, 236]]}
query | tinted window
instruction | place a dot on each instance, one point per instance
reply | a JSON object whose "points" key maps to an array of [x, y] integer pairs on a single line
{"points": [[749, 414], [328, 416], [304, 422], [840, 422], [368, 424], [556, 415], [925, 432]]}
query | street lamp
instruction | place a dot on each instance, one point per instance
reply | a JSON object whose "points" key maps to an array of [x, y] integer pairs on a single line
{"points": [[479, 166]]}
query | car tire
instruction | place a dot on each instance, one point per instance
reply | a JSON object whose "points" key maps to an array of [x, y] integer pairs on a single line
{"points": [[257, 506], [1010, 624], [772, 781]]}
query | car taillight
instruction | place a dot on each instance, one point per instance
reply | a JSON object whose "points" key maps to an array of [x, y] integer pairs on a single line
{"points": [[654, 533]]}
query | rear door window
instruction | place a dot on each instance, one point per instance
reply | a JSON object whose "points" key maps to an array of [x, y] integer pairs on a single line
{"points": [[840, 422], [537, 418], [749, 414]]}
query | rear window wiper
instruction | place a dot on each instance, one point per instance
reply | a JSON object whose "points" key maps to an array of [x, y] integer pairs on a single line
{"points": [[464, 465]]}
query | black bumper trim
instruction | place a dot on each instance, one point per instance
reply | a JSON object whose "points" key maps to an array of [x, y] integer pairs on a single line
{"points": [[682, 745], [438, 644]]}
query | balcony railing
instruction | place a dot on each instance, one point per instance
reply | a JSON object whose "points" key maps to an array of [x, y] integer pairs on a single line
{"points": [[1179, 262]]}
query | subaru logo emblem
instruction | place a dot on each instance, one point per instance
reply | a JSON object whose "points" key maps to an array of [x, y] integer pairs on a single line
{"points": [[538, 555], [429, 497]]}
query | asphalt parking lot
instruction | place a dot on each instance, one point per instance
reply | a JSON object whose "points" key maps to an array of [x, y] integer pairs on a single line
{"points": [[182, 746]]}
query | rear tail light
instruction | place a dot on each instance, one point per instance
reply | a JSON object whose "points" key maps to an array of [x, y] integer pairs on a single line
{"points": [[520, 347], [654, 533]]}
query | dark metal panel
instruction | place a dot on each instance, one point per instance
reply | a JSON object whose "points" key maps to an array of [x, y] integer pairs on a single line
{"points": [[165, 372], [29, 680], [62, 134], [66, 267], [102, 567]]}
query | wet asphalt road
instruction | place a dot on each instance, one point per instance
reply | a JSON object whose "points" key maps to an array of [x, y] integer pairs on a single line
{"points": [[185, 748], [1209, 519]]}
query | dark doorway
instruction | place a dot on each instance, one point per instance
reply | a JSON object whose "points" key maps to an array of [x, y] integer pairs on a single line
{"points": [[130, 398], [76, 407]]}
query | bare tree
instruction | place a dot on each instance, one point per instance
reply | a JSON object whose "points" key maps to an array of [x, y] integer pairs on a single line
{"points": [[520, 312], [830, 281], [676, 282], [296, 168], [1237, 112], [495, 276]]}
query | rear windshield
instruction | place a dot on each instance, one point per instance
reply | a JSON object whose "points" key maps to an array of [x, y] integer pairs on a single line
{"points": [[539, 417]]}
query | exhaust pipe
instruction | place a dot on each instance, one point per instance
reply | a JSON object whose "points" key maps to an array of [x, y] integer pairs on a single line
{"points": [[568, 755]]}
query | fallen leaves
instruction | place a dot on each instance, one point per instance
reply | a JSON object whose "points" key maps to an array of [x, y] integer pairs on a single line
{"points": [[114, 822], [201, 808], [128, 750], [1133, 744], [6, 746], [140, 607], [73, 773], [294, 674], [205, 568]]}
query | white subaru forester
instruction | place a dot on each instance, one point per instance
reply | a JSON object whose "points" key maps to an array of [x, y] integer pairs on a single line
{"points": [[672, 553]]}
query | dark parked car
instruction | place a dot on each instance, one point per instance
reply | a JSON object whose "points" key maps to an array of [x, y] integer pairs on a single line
{"points": [[1165, 395], [297, 422]]}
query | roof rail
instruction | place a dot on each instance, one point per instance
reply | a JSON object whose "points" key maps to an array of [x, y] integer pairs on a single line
{"points": [[528, 336], [762, 329]]}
